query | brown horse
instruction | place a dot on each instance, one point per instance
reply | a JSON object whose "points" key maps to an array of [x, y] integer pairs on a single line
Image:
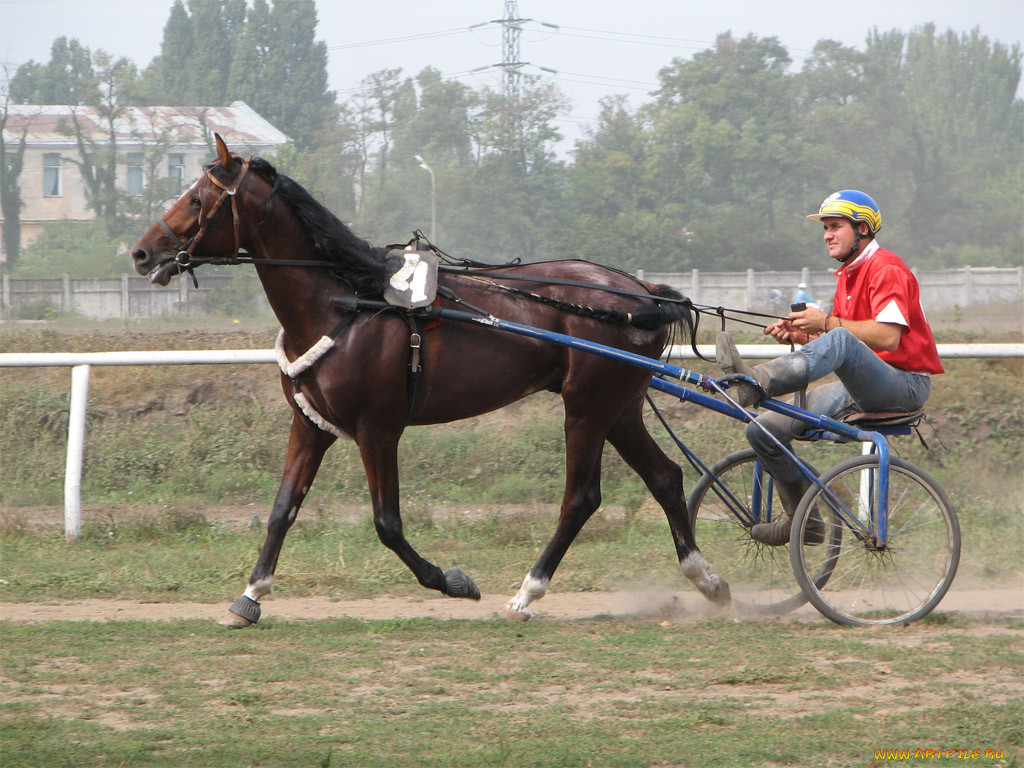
{"points": [[348, 373]]}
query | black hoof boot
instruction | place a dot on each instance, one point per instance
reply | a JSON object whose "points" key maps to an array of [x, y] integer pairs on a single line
{"points": [[460, 585]]}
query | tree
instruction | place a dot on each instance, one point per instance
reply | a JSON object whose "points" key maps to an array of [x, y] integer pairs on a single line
{"points": [[215, 52], [195, 61], [726, 148], [522, 129], [11, 164], [79, 78], [68, 78], [98, 159], [280, 70]]}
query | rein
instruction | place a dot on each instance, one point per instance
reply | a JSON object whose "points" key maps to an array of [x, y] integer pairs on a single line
{"points": [[706, 309]]}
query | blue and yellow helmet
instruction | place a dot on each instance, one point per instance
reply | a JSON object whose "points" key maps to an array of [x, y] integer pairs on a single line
{"points": [[853, 205]]}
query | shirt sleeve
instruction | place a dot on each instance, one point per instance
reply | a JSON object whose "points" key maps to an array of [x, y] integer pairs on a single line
{"points": [[889, 291]]}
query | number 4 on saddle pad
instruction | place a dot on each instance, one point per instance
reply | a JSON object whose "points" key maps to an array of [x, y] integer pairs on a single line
{"points": [[412, 278]]}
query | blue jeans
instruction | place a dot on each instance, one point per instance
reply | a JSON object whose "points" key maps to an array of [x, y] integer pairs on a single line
{"points": [[866, 383]]}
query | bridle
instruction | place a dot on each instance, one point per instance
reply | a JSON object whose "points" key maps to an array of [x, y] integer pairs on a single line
{"points": [[184, 258]]}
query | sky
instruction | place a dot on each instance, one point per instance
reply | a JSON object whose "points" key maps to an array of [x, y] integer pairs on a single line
{"points": [[595, 47]]}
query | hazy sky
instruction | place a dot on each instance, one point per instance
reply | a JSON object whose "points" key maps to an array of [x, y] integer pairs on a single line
{"points": [[600, 47]]}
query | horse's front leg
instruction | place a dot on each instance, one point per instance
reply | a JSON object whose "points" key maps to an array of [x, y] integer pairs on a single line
{"points": [[380, 460], [306, 447]]}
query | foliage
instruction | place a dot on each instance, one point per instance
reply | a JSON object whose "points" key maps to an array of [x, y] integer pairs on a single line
{"points": [[76, 249], [12, 161], [716, 171], [220, 51]]}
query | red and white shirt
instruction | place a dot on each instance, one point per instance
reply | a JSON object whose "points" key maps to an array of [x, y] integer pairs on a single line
{"points": [[877, 285]]}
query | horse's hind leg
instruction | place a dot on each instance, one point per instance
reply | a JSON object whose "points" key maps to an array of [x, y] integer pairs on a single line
{"points": [[664, 479], [380, 459], [306, 447]]}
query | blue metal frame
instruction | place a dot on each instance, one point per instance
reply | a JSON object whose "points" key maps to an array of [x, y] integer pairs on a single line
{"points": [[828, 427]]}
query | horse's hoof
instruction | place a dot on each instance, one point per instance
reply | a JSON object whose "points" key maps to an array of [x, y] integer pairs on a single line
{"points": [[242, 613], [234, 621], [516, 614], [460, 585], [719, 594]]}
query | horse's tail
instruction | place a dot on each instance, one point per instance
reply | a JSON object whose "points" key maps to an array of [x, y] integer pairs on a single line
{"points": [[677, 311]]}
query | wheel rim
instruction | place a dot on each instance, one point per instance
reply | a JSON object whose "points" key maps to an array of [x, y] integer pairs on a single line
{"points": [[899, 582]]}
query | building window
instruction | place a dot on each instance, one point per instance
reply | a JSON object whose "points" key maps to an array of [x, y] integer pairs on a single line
{"points": [[176, 172], [51, 174], [133, 175]]}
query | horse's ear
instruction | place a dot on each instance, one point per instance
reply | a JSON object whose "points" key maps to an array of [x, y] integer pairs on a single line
{"points": [[222, 151]]}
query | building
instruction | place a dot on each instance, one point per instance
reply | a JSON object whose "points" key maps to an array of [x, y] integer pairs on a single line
{"points": [[152, 143]]}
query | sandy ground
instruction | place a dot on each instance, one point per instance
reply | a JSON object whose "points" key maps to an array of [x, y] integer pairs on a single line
{"points": [[667, 606]]}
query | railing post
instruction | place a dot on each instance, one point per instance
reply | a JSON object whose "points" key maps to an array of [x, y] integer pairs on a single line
{"points": [[76, 451], [125, 306]]}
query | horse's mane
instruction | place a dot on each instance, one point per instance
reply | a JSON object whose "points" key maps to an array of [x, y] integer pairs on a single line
{"points": [[359, 263]]}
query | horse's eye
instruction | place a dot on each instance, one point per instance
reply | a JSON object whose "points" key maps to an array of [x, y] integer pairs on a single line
{"points": [[195, 202]]}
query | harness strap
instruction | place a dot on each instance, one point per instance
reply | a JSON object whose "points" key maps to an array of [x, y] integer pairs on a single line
{"points": [[415, 360]]}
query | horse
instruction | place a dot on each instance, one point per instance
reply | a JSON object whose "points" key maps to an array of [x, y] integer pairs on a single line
{"points": [[348, 373]]}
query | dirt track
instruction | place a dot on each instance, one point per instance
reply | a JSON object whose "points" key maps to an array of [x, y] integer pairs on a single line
{"points": [[667, 606]]}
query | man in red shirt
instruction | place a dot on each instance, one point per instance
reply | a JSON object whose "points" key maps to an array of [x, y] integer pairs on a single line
{"points": [[876, 340]]}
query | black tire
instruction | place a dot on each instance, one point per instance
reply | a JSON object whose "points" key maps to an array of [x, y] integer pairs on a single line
{"points": [[896, 583], [760, 577]]}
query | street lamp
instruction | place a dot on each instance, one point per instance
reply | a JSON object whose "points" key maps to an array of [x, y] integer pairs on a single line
{"points": [[433, 196]]}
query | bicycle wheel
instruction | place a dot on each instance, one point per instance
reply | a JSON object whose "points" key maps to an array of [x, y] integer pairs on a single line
{"points": [[893, 583], [722, 507]]}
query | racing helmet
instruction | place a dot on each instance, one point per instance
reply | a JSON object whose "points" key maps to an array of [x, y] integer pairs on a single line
{"points": [[853, 205]]}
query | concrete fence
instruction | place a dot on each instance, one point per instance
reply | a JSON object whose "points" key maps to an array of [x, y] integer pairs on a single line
{"points": [[106, 297], [772, 291], [132, 296]]}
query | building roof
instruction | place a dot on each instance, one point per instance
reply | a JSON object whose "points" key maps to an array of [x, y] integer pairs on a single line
{"points": [[49, 124]]}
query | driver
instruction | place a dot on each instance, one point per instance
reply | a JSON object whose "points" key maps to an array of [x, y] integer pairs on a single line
{"points": [[876, 340]]}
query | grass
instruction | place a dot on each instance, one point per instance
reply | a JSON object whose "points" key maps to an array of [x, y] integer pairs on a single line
{"points": [[182, 557], [487, 693], [179, 555]]}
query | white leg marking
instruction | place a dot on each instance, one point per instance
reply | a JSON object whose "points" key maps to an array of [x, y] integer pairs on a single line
{"points": [[531, 589], [711, 585], [259, 589]]}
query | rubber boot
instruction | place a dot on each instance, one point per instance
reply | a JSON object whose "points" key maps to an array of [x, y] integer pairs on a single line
{"points": [[789, 373], [776, 533]]}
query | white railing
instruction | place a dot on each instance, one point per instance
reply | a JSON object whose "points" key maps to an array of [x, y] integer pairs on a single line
{"points": [[81, 364]]}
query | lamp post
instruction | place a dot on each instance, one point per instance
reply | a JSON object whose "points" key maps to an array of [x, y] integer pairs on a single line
{"points": [[433, 196]]}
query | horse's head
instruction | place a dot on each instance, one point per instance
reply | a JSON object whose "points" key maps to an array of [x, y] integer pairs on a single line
{"points": [[194, 228]]}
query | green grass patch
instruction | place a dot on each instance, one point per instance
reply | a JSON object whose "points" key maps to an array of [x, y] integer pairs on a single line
{"points": [[489, 693]]}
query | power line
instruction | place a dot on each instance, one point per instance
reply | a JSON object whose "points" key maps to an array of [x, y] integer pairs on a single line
{"points": [[406, 39]]}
